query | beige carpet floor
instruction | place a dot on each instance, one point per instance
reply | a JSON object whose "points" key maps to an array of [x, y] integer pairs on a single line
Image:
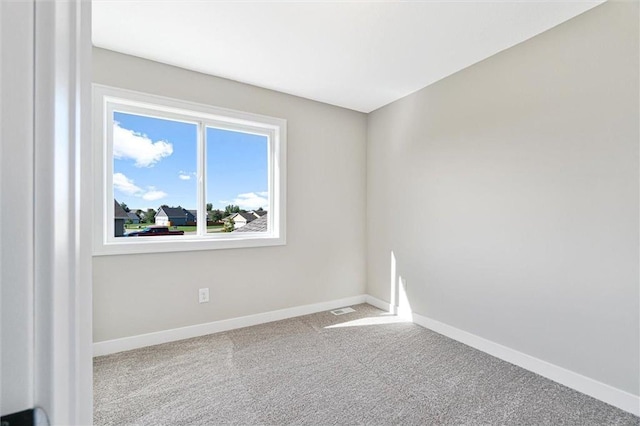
{"points": [[359, 368]]}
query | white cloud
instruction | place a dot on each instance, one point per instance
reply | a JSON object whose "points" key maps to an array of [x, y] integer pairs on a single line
{"points": [[138, 147], [128, 187], [252, 200], [125, 185], [186, 175], [154, 195]]}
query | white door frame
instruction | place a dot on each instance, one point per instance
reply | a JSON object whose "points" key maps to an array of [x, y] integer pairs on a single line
{"points": [[62, 195], [16, 195]]}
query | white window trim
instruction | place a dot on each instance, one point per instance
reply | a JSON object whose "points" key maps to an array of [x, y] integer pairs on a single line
{"points": [[136, 102]]}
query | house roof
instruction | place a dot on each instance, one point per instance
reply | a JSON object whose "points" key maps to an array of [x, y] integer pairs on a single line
{"points": [[178, 212], [118, 211], [259, 213], [248, 216], [257, 225], [132, 215]]}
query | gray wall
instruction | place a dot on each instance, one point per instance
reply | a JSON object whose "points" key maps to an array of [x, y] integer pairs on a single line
{"points": [[324, 258], [508, 193]]}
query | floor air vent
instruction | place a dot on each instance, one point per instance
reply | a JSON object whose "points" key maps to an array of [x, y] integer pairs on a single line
{"points": [[342, 311]]}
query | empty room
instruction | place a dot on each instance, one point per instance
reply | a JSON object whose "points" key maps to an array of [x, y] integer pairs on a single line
{"points": [[359, 212]]}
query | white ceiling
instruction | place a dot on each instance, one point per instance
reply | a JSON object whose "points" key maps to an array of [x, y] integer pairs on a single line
{"points": [[355, 54]]}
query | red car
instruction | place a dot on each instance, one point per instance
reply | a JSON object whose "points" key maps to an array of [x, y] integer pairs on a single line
{"points": [[156, 230]]}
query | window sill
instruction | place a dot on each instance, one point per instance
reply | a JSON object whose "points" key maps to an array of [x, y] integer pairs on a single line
{"points": [[142, 245]]}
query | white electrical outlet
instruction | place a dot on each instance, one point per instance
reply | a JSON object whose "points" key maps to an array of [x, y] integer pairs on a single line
{"points": [[203, 295]]}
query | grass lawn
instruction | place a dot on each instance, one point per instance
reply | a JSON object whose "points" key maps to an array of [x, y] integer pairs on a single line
{"points": [[212, 228], [133, 226]]}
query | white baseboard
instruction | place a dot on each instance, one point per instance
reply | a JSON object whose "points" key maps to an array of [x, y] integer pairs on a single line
{"points": [[380, 304], [606, 393], [127, 343]]}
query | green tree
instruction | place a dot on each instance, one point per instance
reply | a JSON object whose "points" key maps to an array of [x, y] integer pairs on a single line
{"points": [[209, 207], [229, 226], [150, 216], [231, 209], [125, 207], [216, 215]]}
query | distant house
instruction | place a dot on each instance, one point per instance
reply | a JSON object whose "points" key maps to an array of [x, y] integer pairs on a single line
{"points": [[141, 214], [174, 216], [133, 218], [256, 225], [243, 218], [240, 219], [119, 218], [195, 215]]}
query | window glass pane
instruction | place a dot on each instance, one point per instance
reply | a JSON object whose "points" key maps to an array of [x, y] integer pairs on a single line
{"points": [[237, 197], [154, 173]]}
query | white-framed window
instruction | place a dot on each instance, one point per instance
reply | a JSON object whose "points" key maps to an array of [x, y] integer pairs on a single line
{"points": [[172, 175]]}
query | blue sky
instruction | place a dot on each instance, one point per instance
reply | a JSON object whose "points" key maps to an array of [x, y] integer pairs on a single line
{"points": [[155, 163]]}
